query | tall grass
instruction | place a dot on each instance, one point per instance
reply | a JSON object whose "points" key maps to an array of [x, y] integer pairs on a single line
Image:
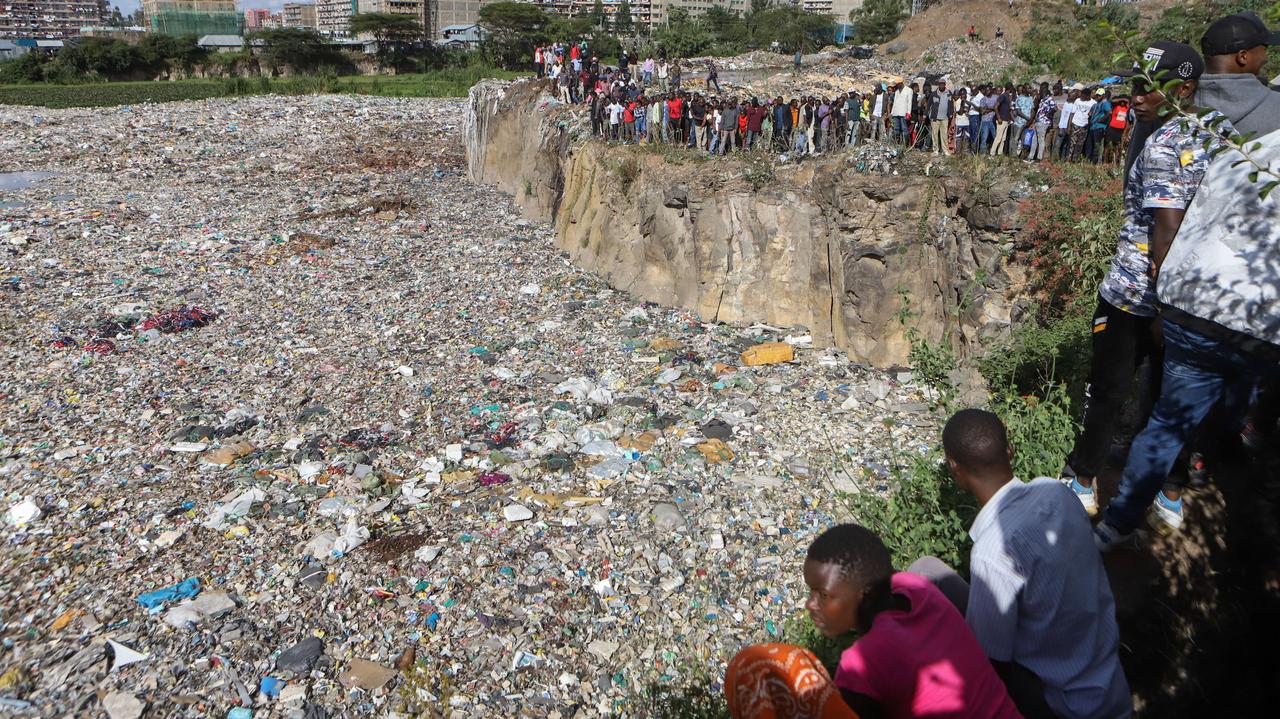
{"points": [[449, 82]]}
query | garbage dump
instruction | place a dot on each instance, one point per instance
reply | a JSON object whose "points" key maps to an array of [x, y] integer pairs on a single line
{"points": [[298, 422]]}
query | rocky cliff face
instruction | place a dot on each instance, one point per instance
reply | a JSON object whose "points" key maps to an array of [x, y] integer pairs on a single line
{"points": [[820, 244]]}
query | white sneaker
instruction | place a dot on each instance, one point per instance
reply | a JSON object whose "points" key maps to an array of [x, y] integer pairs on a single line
{"points": [[1167, 516], [1087, 495], [1107, 537]]}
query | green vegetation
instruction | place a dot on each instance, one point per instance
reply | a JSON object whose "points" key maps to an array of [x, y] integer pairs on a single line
{"points": [[393, 33], [453, 82], [517, 28], [696, 697], [878, 21], [1079, 42], [95, 58]]}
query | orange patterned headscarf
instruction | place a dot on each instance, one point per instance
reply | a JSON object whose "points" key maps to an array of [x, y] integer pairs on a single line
{"points": [[781, 681]]}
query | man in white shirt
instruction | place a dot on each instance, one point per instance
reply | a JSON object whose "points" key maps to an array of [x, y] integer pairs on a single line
{"points": [[1040, 604], [1081, 109], [877, 113], [902, 99], [975, 117], [615, 109]]}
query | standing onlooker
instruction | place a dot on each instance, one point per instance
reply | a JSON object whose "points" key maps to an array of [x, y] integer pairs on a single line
{"points": [[987, 132], [1116, 126], [941, 110], [901, 110], [1064, 123], [1024, 110], [1003, 109], [1099, 116], [876, 131], [728, 125], [1157, 191], [1235, 49], [781, 125], [675, 118], [852, 118], [1044, 120], [1081, 112], [962, 106], [755, 122]]}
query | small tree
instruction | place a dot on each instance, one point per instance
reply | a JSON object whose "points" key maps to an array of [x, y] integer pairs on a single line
{"points": [[598, 18], [301, 49], [514, 29], [391, 31], [622, 22], [877, 21]]}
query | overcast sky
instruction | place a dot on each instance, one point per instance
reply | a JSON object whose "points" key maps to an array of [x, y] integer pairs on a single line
{"points": [[128, 6]]}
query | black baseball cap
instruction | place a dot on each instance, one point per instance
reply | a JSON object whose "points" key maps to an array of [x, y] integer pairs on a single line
{"points": [[1234, 33], [1174, 61]]}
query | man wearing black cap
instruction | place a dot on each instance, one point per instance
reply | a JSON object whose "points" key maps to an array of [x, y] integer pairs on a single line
{"points": [[1157, 190], [1235, 49]]}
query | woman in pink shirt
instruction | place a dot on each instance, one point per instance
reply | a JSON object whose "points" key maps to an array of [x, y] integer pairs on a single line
{"points": [[915, 656]]}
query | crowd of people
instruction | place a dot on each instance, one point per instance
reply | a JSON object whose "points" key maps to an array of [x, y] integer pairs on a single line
{"points": [[647, 102], [1192, 294]]}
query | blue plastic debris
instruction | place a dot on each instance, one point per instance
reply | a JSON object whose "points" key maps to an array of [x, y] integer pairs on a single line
{"points": [[271, 687], [182, 590]]}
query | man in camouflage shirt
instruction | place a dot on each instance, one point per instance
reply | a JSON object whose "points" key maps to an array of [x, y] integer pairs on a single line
{"points": [[1158, 188]]}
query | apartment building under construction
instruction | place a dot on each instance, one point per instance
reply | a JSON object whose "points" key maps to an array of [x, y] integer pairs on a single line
{"points": [[49, 18], [193, 17]]}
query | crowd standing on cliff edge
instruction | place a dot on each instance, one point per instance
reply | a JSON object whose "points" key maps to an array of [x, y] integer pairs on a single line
{"points": [[1192, 295], [647, 102]]}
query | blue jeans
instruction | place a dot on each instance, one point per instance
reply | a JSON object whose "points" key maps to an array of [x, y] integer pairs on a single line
{"points": [[1198, 371], [986, 135], [900, 128]]}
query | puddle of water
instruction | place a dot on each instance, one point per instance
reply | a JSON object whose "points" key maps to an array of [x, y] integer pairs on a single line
{"points": [[22, 180], [12, 205]]}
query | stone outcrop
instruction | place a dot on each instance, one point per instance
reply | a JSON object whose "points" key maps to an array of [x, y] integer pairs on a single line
{"points": [[848, 255]]}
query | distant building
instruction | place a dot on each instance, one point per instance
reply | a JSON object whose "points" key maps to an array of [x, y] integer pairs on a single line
{"points": [[49, 18], [221, 43], [255, 19], [837, 9], [193, 17], [462, 37], [460, 12], [333, 17], [131, 35], [10, 50], [302, 15]]}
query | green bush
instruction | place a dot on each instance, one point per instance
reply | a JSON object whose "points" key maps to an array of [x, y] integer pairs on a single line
{"points": [[698, 697], [1040, 351], [1075, 45], [877, 21], [1041, 429], [920, 513]]}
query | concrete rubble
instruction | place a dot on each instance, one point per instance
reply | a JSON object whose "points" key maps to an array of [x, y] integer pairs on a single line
{"points": [[410, 456]]}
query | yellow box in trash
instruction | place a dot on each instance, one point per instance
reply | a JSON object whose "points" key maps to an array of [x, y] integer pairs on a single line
{"points": [[768, 353]]}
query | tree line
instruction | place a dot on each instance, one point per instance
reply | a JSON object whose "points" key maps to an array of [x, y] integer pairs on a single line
{"points": [[517, 28]]}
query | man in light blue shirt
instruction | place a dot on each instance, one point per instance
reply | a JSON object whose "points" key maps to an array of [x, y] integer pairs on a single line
{"points": [[1039, 602]]}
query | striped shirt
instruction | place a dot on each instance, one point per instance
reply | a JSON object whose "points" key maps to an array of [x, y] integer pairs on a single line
{"points": [[1040, 597]]}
